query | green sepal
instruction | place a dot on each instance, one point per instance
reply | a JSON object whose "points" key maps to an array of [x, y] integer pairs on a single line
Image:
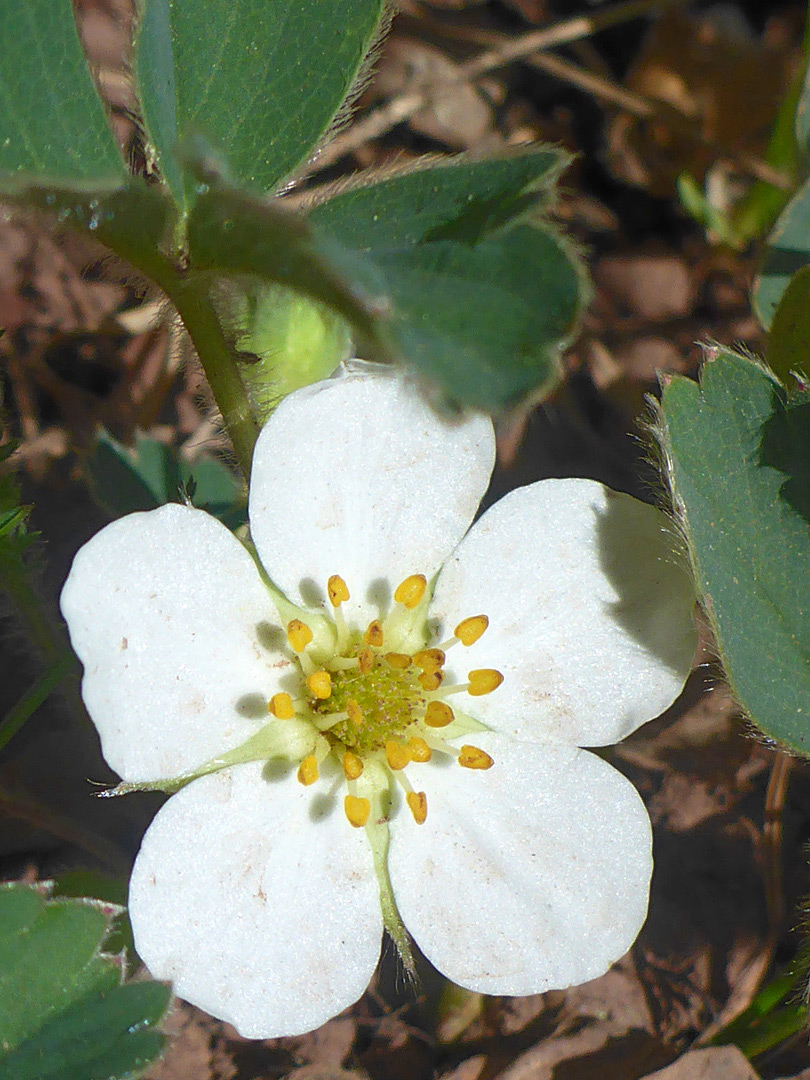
{"points": [[375, 785], [279, 740]]}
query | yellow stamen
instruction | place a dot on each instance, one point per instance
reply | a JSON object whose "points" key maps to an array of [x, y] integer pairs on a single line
{"points": [[419, 750], [374, 634], [352, 765], [338, 591], [355, 713], [470, 630], [398, 660], [320, 684], [299, 634], [357, 810], [431, 680], [473, 758], [365, 660], [417, 801], [438, 714], [410, 591], [429, 660], [397, 755], [281, 706], [483, 681], [308, 770]]}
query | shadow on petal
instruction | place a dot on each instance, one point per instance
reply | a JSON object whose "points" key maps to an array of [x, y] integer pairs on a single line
{"points": [[642, 556]]}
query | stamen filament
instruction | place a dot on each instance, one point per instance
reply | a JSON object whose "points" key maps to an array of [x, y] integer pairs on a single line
{"points": [[323, 722], [342, 663]]}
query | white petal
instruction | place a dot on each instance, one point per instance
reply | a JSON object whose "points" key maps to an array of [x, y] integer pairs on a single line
{"points": [[261, 908], [168, 614], [529, 876], [358, 476], [590, 612]]}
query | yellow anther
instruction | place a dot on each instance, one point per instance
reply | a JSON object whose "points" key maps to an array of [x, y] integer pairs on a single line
{"points": [[281, 706], [470, 630], [473, 758], [338, 590], [320, 684], [419, 750], [483, 681], [410, 591], [438, 714], [357, 810], [352, 765], [355, 712], [431, 680], [299, 634], [365, 660], [398, 660], [417, 801], [397, 755], [308, 770], [374, 634], [429, 660]]}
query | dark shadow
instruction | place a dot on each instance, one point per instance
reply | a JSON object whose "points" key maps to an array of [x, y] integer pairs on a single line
{"points": [[271, 637], [311, 593], [275, 770], [252, 706], [379, 594], [785, 446], [628, 533]]}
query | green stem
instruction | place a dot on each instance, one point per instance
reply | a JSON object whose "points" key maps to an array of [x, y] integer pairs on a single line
{"points": [[192, 299], [32, 699]]}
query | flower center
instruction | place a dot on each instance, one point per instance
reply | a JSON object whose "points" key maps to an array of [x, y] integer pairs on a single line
{"points": [[377, 702]]}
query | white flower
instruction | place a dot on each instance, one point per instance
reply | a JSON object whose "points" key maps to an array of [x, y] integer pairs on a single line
{"points": [[257, 890]]}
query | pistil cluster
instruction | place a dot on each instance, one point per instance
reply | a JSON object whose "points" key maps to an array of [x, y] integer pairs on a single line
{"points": [[372, 701]]}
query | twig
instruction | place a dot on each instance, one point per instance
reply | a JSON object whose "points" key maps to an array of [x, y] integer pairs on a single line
{"points": [[22, 808], [647, 108], [751, 977], [532, 47], [404, 106]]}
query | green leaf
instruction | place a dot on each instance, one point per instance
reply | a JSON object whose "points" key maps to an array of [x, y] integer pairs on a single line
{"points": [[477, 297], [123, 482], [787, 252], [131, 218], [261, 81], [789, 339], [479, 291], [25, 707], [51, 118], [739, 448], [64, 1014], [150, 475], [461, 200]]}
